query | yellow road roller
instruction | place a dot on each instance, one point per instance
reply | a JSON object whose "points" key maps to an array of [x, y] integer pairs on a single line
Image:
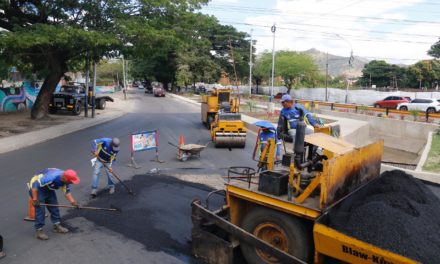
{"points": [[220, 113]]}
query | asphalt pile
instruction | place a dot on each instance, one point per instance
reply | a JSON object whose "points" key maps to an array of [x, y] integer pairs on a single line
{"points": [[158, 215], [396, 212]]}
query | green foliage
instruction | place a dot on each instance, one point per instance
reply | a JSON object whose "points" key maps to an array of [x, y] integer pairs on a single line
{"points": [[251, 104], [432, 163], [296, 69], [434, 51], [414, 114]]}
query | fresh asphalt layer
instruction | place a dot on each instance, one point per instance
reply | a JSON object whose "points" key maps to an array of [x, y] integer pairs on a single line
{"points": [[98, 242]]}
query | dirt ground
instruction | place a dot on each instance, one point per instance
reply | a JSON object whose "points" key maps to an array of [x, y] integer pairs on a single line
{"points": [[14, 123]]}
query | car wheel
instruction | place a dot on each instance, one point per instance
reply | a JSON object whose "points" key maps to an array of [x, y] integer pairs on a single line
{"points": [[403, 108], [430, 110], [101, 104], [77, 109], [377, 105]]}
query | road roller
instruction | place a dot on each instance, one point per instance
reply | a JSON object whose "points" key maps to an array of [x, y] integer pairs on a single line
{"points": [[220, 113]]}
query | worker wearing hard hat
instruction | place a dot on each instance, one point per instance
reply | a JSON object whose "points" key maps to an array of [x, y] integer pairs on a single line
{"points": [[268, 131], [105, 150], [42, 190], [289, 116]]}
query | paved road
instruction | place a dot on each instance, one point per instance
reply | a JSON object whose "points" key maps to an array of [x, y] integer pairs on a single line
{"points": [[163, 237]]}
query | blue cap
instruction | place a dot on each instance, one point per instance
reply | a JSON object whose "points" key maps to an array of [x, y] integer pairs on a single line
{"points": [[286, 97]]}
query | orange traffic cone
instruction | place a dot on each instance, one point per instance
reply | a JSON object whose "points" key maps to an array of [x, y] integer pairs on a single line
{"points": [[182, 141], [31, 212]]}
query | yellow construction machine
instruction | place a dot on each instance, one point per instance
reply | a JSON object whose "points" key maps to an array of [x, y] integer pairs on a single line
{"points": [[220, 113], [279, 216]]}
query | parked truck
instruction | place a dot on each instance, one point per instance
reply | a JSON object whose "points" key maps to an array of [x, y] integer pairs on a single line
{"points": [[71, 98]]}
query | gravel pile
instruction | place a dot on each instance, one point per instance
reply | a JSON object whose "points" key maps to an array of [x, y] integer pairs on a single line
{"points": [[396, 212]]}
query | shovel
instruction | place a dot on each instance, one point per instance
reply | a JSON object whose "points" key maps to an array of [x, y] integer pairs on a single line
{"points": [[119, 179], [112, 207]]}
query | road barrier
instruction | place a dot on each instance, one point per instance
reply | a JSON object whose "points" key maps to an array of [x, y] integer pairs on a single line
{"points": [[369, 110]]}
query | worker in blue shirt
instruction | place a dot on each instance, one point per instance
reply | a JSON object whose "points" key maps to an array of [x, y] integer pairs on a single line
{"points": [[289, 116], [266, 134], [42, 188], [105, 150]]}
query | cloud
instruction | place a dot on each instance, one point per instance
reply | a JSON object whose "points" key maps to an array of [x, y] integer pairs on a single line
{"points": [[373, 28]]}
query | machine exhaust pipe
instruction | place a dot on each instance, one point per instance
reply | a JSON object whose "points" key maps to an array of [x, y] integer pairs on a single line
{"points": [[298, 148]]}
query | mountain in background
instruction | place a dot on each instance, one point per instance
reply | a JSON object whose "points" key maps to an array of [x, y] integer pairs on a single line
{"points": [[337, 65]]}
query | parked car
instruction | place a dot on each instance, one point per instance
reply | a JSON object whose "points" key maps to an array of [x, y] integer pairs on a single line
{"points": [[158, 92], [392, 101], [426, 105], [71, 98]]}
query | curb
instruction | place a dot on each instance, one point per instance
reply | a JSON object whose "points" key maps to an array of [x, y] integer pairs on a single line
{"points": [[425, 153], [28, 139]]}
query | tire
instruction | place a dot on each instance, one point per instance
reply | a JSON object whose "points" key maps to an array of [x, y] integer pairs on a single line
{"points": [[52, 110], [289, 232], [77, 109], [101, 104], [403, 108], [430, 110], [377, 105], [209, 121]]}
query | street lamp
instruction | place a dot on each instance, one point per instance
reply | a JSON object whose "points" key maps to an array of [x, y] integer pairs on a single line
{"points": [[271, 104], [250, 65], [350, 64]]}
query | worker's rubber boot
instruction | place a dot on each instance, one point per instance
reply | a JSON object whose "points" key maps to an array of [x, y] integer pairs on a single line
{"points": [[41, 235], [94, 193], [57, 228], [111, 190]]}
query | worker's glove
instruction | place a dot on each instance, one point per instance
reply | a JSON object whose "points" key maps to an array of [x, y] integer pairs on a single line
{"points": [[36, 203], [76, 205]]}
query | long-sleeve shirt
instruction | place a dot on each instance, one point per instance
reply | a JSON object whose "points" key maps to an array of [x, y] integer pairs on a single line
{"points": [[106, 153], [288, 119], [49, 179]]}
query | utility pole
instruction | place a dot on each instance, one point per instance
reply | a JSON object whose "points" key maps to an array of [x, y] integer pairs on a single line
{"points": [[123, 76], [86, 99], [250, 66], [271, 104], [326, 78], [93, 89]]}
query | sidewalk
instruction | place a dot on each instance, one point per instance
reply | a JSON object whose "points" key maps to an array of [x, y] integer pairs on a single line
{"points": [[17, 130]]}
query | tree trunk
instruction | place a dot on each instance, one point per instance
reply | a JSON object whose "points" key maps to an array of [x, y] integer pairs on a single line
{"points": [[40, 107]]}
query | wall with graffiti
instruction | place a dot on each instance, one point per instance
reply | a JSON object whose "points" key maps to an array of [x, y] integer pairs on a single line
{"points": [[21, 98]]}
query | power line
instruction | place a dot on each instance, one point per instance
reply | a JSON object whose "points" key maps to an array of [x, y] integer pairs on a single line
{"points": [[312, 15], [330, 34]]}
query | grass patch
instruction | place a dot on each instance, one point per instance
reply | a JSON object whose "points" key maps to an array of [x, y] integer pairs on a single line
{"points": [[432, 164]]}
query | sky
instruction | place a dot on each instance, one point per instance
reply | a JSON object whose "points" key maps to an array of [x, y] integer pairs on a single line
{"points": [[397, 31]]}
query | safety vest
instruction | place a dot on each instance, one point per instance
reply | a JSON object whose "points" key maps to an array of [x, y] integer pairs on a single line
{"points": [[49, 179]]}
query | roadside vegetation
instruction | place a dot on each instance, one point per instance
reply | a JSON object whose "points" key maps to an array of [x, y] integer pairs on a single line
{"points": [[432, 164]]}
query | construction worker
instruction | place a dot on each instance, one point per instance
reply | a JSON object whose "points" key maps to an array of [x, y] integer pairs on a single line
{"points": [[267, 132], [105, 150], [2, 254], [42, 190], [289, 117]]}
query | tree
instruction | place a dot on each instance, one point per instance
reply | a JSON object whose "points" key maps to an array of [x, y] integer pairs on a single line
{"points": [[55, 36], [295, 68], [435, 50]]}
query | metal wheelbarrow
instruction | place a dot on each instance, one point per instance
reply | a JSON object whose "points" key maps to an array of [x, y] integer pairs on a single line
{"points": [[186, 151]]}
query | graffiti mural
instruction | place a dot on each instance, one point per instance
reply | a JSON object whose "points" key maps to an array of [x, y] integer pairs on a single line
{"points": [[17, 98], [20, 98]]}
